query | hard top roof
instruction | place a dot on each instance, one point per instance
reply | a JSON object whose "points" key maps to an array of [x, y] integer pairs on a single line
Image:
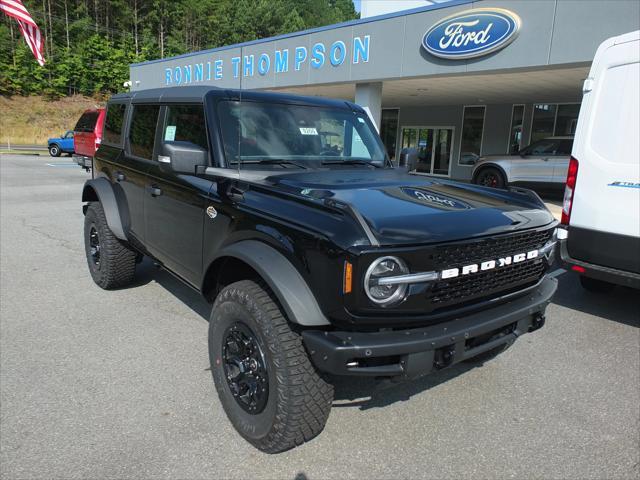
{"points": [[196, 94]]}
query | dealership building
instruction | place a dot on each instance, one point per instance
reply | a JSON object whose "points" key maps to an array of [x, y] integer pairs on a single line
{"points": [[455, 79]]}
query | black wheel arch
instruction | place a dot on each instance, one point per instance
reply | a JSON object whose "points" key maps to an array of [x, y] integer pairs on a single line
{"points": [[248, 259], [113, 203]]}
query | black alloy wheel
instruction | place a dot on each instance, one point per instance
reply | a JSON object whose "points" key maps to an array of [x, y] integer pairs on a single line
{"points": [[94, 245], [245, 368], [490, 177]]}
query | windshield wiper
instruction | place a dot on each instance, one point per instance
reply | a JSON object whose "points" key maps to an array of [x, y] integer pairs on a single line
{"points": [[349, 162], [272, 161]]}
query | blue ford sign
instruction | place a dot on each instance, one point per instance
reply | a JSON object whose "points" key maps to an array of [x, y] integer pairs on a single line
{"points": [[472, 33]]}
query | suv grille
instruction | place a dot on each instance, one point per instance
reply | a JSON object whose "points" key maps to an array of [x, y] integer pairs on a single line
{"points": [[462, 289]]}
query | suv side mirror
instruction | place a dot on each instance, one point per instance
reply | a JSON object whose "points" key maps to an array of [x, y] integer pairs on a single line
{"points": [[182, 157]]}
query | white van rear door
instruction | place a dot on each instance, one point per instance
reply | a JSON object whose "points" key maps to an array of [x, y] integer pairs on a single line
{"points": [[607, 145]]}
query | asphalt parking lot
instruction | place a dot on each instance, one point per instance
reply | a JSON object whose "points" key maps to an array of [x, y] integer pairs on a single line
{"points": [[97, 384]]}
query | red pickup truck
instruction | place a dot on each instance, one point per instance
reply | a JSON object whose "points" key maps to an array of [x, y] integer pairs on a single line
{"points": [[87, 136]]}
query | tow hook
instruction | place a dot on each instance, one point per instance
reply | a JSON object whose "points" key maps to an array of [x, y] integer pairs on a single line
{"points": [[538, 322], [444, 357]]}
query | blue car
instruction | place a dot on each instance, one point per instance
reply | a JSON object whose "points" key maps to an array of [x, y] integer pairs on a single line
{"points": [[62, 144]]}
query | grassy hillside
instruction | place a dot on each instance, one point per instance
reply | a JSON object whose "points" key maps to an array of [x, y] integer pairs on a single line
{"points": [[31, 120]]}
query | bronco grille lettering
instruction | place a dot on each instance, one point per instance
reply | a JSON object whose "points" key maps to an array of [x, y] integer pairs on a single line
{"points": [[488, 265]]}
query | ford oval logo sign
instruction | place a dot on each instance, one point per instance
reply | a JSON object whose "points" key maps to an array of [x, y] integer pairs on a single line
{"points": [[472, 33]]}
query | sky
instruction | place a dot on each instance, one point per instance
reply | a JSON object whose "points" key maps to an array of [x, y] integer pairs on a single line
{"points": [[356, 4]]}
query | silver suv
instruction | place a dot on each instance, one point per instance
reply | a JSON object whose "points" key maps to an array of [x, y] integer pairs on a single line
{"points": [[542, 164]]}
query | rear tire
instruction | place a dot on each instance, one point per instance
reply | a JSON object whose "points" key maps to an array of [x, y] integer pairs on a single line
{"points": [[111, 262], [54, 150], [596, 286], [270, 391], [490, 177]]}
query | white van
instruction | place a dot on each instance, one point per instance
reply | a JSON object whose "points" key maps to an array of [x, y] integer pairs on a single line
{"points": [[601, 208]]}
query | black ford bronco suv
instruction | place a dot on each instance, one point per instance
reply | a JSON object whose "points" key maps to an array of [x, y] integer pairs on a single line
{"points": [[318, 256]]}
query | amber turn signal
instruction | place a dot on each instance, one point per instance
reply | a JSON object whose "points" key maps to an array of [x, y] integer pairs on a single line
{"points": [[348, 277]]}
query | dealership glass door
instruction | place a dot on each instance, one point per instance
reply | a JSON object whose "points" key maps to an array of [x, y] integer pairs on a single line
{"points": [[433, 145]]}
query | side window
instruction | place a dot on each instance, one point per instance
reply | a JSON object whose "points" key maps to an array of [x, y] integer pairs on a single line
{"points": [[143, 130], [564, 148], [185, 123], [113, 123]]}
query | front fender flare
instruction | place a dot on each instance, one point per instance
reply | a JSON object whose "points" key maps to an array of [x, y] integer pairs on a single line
{"points": [[107, 197], [285, 281]]}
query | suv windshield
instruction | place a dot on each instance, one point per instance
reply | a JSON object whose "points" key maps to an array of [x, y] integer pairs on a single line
{"points": [[258, 134]]}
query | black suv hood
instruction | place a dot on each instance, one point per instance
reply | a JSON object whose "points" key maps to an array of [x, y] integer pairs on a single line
{"points": [[403, 209]]}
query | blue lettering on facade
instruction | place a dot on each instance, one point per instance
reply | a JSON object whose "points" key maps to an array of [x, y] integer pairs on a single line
{"points": [[338, 53], [361, 49], [247, 71], [317, 52], [301, 56], [246, 65], [236, 66], [282, 61], [264, 64]]}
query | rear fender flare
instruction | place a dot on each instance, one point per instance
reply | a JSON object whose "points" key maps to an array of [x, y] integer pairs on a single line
{"points": [[100, 189], [283, 279]]}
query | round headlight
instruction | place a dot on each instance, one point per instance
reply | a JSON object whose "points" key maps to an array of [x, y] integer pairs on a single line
{"points": [[381, 268]]}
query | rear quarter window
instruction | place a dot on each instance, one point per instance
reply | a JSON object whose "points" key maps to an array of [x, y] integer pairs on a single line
{"points": [[144, 120], [114, 123], [87, 122]]}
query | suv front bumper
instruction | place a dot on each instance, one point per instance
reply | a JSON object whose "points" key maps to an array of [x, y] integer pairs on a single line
{"points": [[415, 352]]}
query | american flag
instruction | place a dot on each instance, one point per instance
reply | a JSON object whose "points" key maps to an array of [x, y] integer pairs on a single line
{"points": [[15, 9]]}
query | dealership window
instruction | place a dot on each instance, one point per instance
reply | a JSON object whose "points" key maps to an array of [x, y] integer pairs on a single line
{"points": [[551, 119], [186, 123], [433, 148], [113, 123], [567, 119], [143, 130], [389, 130], [472, 129], [515, 135]]}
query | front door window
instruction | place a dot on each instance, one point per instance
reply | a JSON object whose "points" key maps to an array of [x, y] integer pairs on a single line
{"points": [[433, 145]]}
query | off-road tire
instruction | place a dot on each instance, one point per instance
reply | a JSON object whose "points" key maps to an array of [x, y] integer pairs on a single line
{"points": [[490, 177], [488, 355], [299, 399], [117, 263], [55, 150], [594, 285]]}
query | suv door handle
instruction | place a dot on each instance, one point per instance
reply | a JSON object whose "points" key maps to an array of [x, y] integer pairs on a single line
{"points": [[120, 177], [154, 190]]}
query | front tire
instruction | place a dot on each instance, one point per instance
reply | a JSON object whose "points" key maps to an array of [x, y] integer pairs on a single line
{"points": [[54, 150], [111, 262], [490, 177], [266, 383]]}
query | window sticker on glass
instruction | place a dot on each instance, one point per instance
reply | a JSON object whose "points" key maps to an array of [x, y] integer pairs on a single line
{"points": [[308, 131], [170, 133]]}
